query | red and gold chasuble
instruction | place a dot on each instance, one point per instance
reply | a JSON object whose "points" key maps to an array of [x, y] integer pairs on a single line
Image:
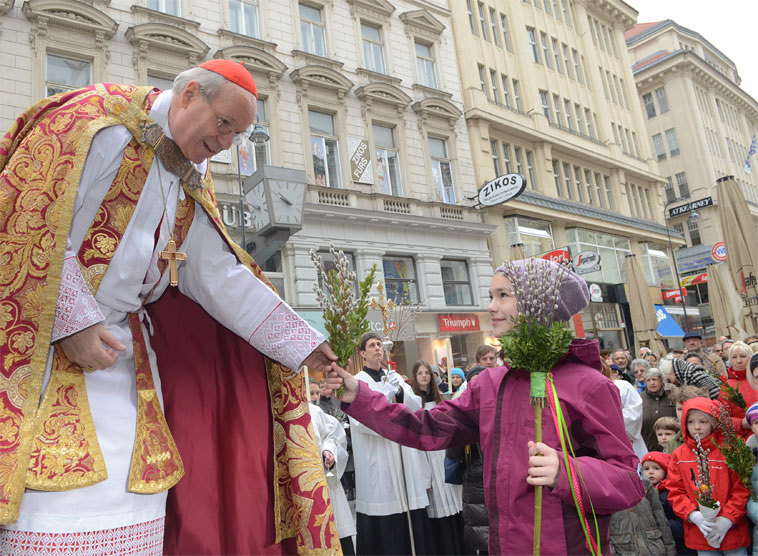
{"points": [[54, 446]]}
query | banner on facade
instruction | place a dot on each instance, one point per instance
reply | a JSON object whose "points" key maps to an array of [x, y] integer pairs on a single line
{"points": [[560, 256], [694, 280], [361, 169], [463, 322]]}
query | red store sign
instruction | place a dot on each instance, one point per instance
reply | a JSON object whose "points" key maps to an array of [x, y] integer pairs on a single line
{"points": [[462, 322], [558, 256]]}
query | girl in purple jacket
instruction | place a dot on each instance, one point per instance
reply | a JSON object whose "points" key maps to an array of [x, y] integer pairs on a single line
{"points": [[495, 412]]}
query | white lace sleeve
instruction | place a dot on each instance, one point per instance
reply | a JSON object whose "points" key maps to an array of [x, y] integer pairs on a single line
{"points": [[285, 337], [76, 308]]}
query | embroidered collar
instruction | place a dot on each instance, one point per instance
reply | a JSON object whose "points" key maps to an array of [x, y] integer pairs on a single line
{"points": [[171, 156]]}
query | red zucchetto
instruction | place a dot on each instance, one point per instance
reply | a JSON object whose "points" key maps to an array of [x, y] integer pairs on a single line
{"points": [[233, 71]]}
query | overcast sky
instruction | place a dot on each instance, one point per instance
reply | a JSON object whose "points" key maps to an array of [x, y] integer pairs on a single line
{"points": [[729, 25]]}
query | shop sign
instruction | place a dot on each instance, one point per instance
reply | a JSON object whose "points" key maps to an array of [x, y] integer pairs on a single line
{"points": [[676, 295], [462, 322], [398, 331], [689, 207], [694, 280], [560, 256], [719, 252], [586, 262], [596, 294], [502, 189], [361, 170]]}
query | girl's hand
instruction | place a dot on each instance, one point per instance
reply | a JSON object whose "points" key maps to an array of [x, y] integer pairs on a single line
{"points": [[336, 378], [544, 465]]}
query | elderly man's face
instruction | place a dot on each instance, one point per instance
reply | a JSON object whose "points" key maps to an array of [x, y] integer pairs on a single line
{"points": [[716, 349], [194, 120], [693, 344], [619, 358]]}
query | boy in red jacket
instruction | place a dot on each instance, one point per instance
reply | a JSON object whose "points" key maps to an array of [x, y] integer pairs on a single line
{"points": [[728, 533]]}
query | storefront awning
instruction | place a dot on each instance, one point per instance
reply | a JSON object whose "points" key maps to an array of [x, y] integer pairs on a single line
{"points": [[667, 326]]}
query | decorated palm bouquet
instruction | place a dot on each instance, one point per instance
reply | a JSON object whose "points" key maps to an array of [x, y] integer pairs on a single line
{"points": [[343, 303]]}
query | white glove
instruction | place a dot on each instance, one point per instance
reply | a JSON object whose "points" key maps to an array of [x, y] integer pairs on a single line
{"points": [[394, 379], [703, 524], [718, 531], [389, 391]]}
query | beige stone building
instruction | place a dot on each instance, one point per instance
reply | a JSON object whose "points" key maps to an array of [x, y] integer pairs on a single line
{"points": [[700, 124], [363, 103], [548, 93]]}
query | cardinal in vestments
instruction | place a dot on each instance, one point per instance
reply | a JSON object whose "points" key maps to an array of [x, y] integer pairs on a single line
{"points": [[106, 203]]}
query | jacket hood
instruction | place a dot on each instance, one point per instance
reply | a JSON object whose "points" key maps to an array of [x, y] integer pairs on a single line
{"points": [[587, 352], [706, 406]]}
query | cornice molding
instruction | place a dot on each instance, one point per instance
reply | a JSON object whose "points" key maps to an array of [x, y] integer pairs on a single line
{"points": [[321, 77], [255, 60], [422, 23], [161, 36], [376, 9], [71, 14], [383, 93], [153, 16]]}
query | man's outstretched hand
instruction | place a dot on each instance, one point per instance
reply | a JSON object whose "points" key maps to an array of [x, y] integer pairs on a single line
{"points": [[321, 358], [339, 376]]}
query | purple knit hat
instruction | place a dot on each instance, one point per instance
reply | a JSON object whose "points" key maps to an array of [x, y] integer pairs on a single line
{"points": [[574, 295], [751, 414]]}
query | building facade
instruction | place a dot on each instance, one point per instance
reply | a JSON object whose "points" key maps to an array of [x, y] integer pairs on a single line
{"points": [[363, 105], [548, 93], [700, 124]]}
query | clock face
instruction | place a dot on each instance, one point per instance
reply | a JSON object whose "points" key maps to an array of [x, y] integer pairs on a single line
{"points": [[256, 199], [287, 202]]}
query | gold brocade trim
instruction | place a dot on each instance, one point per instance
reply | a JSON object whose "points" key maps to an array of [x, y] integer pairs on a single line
{"points": [[66, 453]]}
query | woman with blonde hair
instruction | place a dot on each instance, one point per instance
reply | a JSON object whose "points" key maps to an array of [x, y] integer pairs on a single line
{"points": [[739, 358]]}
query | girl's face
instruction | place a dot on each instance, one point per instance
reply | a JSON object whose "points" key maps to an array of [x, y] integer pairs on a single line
{"points": [[503, 308], [456, 380], [423, 376], [653, 472], [699, 423], [738, 359]]}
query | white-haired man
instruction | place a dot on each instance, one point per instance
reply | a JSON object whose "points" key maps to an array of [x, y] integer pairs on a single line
{"points": [[104, 190]]}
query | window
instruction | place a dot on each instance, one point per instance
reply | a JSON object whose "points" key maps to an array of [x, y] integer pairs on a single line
{"points": [[65, 74], [482, 80], [517, 95], [160, 82], [495, 87], [325, 149], [312, 30], [599, 189], [649, 105], [425, 65], [579, 122], [483, 21], [556, 54], [471, 18], [519, 160], [566, 16], [660, 150], [588, 183], [611, 248], [400, 280], [329, 264], [530, 169], [546, 106], [657, 267], [455, 282], [243, 16], [681, 183], [663, 102], [166, 6], [507, 158], [577, 66], [547, 7], [578, 178], [506, 34], [672, 141], [441, 171], [506, 90], [373, 48], [590, 127], [605, 85], [557, 178], [566, 61], [545, 51], [493, 27], [532, 37], [254, 155], [694, 229], [669, 189], [569, 118], [567, 180], [557, 105], [610, 87], [536, 235], [556, 11], [387, 161], [608, 192], [495, 156]]}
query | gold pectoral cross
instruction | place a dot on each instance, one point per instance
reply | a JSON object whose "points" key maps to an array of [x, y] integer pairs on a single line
{"points": [[171, 255]]}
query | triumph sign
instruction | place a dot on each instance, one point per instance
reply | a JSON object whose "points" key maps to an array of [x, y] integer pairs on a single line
{"points": [[502, 189]]}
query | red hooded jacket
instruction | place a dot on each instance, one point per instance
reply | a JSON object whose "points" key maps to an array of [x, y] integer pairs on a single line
{"points": [[727, 487]]}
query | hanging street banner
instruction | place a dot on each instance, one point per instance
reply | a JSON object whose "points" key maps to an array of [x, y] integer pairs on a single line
{"points": [[694, 280], [361, 170], [502, 189], [586, 262], [689, 207]]}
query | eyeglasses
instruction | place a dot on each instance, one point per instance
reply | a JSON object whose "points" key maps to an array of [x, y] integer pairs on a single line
{"points": [[223, 125]]}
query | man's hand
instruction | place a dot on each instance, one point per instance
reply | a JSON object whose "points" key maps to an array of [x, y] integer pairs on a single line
{"points": [[544, 465], [87, 348], [328, 459], [321, 358], [339, 376]]}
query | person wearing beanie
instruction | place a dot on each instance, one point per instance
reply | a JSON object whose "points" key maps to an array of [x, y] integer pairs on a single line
{"points": [[457, 379], [495, 410], [113, 188], [751, 416]]}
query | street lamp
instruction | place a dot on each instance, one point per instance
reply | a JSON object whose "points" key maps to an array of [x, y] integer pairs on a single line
{"points": [[259, 137]]}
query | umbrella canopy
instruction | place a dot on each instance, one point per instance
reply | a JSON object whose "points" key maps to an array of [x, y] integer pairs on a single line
{"points": [[741, 239], [644, 319], [518, 253], [720, 302]]}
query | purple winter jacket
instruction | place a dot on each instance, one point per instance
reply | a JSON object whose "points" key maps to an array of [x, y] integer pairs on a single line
{"points": [[495, 411]]}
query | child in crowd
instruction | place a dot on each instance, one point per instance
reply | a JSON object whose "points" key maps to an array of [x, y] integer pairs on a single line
{"points": [[752, 507], [655, 467], [665, 429], [680, 395], [728, 532]]}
